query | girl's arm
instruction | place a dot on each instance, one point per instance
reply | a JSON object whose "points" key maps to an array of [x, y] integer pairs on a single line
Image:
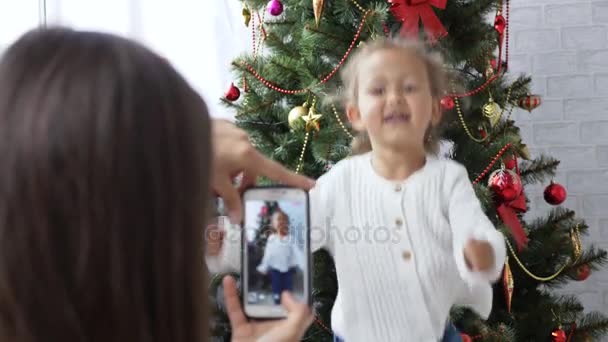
{"points": [[471, 226], [321, 204], [263, 266]]}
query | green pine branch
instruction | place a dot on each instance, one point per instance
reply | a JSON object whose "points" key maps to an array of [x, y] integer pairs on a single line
{"points": [[556, 215], [591, 257], [538, 170], [593, 325], [568, 308]]}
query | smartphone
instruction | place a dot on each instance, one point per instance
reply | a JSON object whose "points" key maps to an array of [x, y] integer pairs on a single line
{"points": [[275, 249]]}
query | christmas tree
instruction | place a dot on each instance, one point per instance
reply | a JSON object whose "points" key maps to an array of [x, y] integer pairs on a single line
{"points": [[278, 95]]}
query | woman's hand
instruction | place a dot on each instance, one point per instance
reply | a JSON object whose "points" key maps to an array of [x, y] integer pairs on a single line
{"points": [[289, 329], [234, 154]]}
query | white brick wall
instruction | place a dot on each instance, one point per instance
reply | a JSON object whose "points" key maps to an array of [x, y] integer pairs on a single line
{"points": [[563, 44]]}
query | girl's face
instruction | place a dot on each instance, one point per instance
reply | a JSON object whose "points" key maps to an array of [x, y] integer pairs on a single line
{"points": [[394, 101], [281, 223]]}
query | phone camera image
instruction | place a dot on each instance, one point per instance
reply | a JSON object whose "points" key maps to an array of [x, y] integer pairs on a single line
{"points": [[276, 250]]}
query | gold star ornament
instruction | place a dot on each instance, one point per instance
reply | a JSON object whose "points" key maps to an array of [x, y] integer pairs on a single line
{"points": [[312, 120]]}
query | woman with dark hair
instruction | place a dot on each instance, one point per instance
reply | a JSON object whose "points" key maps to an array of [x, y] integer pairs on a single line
{"points": [[107, 169]]}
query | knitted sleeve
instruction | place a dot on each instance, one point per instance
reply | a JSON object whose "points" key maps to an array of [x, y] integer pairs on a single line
{"points": [[322, 202], [229, 258], [468, 221], [265, 263]]}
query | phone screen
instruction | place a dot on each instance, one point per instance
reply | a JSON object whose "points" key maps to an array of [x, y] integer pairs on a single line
{"points": [[275, 249]]}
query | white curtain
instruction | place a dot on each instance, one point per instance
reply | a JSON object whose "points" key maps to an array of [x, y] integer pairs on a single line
{"points": [[16, 17], [200, 37]]}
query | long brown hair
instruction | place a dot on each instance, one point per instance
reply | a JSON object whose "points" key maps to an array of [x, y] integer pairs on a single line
{"points": [[434, 68], [103, 190]]}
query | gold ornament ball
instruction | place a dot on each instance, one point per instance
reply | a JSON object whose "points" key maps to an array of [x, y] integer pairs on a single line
{"points": [[295, 117], [524, 152]]}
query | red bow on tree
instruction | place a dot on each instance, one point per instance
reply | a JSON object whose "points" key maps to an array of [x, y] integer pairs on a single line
{"points": [[410, 12], [508, 213]]}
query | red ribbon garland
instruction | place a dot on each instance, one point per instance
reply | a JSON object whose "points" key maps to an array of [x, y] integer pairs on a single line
{"points": [[410, 12], [508, 214], [573, 327]]}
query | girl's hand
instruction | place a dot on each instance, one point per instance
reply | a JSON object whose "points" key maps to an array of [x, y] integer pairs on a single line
{"points": [[479, 255], [289, 329]]}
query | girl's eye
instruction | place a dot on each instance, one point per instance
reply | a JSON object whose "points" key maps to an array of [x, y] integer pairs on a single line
{"points": [[376, 91], [409, 88]]}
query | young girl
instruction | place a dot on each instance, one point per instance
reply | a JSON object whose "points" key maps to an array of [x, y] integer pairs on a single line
{"points": [[407, 233], [279, 256]]}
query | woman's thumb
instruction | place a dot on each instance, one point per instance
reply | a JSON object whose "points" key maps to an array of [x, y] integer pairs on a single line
{"points": [[299, 314]]}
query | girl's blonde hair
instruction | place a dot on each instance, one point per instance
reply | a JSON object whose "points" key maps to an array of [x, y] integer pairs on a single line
{"points": [[434, 67]]}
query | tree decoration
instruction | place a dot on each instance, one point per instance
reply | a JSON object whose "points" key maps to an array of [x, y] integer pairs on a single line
{"points": [[312, 119], [505, 184], [500, 23], [317, 7], [558, 335], [510, 162], [275, 7], [246, 16], [412, 12], [508, 284], [530, 102], [447, 103], [583, 272], [577, 244], [295, 116], [492, 111], [555, 194], [233, 93], [524, 152]]}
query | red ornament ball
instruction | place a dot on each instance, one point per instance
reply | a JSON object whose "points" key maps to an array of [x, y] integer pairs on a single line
{"points": [[500, 24], [510, 162], [583, 272], [233, 93], [447, 103], [558, 335], [494, 63], [505, 184], [555, 194], [465, 338]]}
